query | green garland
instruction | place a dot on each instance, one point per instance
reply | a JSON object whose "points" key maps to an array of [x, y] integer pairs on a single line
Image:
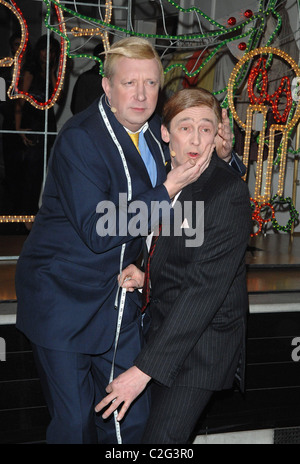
{"points": [[294, 214], [223, 33]]}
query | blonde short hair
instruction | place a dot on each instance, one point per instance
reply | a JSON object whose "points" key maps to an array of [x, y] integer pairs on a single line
{"points": [[131, 47]]}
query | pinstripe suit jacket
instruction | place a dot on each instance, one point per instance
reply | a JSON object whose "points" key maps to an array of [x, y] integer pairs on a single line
{"points": [[199, 298]]}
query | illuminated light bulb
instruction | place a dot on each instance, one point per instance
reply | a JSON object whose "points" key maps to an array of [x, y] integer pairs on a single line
{"points": [[88, 32], [7, 219], [14, 92], [6, 62], [258, 104]]}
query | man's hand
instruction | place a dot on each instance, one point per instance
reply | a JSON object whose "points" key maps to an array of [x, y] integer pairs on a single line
{"points": [[187, 173], [124, 389], [224, 138], [131, 278]]}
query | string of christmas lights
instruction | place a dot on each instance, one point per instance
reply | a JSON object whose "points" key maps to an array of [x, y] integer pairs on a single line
{"points": [[14, 92], [246, 29], [257, 214], [257, 106], [7, 219], [294, 214]]}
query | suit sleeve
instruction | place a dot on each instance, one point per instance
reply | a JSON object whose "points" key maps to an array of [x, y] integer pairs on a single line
{"points": [[83, 182], [237, 164], [206, 282]]}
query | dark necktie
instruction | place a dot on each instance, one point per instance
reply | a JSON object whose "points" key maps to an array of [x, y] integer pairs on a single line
{"points": [[146, 286]]}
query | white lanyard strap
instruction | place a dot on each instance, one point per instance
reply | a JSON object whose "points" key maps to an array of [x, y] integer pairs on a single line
{"points": [[159, 146], [117, 143], [121, 303]]}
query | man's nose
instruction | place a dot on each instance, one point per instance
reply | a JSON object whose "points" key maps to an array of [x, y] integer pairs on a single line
{"points": [[196, 139], [141, 92]]}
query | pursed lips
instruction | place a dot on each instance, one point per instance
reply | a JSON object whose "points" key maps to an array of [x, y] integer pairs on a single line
{"points": [[193, 154]]}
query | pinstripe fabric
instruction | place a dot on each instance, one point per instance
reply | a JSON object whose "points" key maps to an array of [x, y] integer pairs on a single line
{"points": [[199, 301], [167, 425]]}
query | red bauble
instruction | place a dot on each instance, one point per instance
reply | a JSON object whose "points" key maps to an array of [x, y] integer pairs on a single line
{"points": [[248, 14], [231, 21], [242, 46]]}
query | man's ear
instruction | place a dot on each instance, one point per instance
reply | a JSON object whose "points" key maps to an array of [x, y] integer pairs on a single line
{"points": [[106, 87], [165, 134]]}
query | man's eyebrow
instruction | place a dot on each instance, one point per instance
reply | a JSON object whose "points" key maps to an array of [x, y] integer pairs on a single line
{"points": [[184, 120], [207, 120], [192, 119]]}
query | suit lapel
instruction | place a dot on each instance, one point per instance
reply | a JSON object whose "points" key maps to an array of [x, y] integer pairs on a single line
{"points": [[132, 155], [161, 252], [131, 152], [157, 155]]}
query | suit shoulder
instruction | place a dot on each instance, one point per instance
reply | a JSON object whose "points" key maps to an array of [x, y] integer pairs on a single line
{"points": [[224, 182], [228, 175], [84, 118]]}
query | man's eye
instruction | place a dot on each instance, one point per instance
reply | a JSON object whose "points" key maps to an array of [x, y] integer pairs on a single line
{"points": [[152, 83]]}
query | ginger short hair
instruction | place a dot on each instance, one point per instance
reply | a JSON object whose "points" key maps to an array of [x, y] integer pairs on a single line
{"points": [[189, 98]]}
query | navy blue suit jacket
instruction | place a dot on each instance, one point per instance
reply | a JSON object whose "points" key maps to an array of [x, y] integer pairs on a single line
{"points": [[66, 277]]}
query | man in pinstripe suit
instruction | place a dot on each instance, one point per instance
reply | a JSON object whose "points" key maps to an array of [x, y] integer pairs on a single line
{"points": [[198, 307]]}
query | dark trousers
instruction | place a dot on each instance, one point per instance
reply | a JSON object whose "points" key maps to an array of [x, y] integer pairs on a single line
{"points": [[73, 383], [174, 414]]}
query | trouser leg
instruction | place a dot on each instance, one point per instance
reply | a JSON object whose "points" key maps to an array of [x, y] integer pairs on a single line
{"points": [[174, 413], [133, 424], [68, 388], [74, 383]]}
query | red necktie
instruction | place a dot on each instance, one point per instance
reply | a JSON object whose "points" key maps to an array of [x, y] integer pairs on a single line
{"points": [[146, 286]]}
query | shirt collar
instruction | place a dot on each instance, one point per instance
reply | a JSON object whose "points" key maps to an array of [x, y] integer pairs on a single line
{"points": [[142, 129]]}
